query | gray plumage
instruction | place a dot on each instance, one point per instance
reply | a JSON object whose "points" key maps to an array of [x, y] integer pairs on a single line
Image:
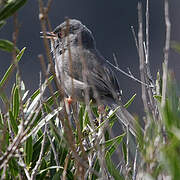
{"points": [[89, 69]]}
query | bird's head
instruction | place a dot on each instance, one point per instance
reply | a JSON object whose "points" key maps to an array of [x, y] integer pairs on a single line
{"points": [[71, 32]]}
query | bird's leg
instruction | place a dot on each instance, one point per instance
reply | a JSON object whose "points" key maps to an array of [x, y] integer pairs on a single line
{"points": [[69, 100], [101, 109]]}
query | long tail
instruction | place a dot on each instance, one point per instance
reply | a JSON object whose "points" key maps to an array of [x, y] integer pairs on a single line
{"points": [[125, 118]]}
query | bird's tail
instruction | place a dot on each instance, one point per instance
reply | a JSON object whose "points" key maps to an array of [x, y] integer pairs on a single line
{"points": [[125, 118]]}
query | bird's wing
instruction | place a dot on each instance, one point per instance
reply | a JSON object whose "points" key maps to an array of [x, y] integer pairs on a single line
{"points": [[102, 77], [96, 75]]}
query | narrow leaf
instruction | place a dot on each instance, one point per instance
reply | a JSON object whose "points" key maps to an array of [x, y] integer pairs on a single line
{"points": [[8, 46], [51, 167], [112, 169], [13, 167], [28, 150], [130, 101], [43, 121], [11, 68], [2, 23], [16, 102], [10, 8], [13, 122], [18, 57], [158, 97], [113, 141]]}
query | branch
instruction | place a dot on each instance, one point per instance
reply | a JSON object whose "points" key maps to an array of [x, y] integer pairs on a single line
{"points": [[166, 52]]}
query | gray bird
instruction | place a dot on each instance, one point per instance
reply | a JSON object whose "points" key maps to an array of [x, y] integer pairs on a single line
{"points": [[81, 69]]}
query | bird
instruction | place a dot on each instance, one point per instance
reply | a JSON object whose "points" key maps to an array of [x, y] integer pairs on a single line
{"points": [[82, 70]]}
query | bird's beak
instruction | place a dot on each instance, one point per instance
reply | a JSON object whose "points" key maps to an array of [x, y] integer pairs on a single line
{"points": [[48, 35]]}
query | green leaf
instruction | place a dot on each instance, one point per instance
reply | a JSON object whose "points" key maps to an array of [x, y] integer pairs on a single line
{"points": [[13, 122], [43, 166], [114, 143], [51, 167], [10, 8], [112, 113], [36, 93], [20, 54], [2, 23], [15, 102], [13, 167], [81, 115], [28, 150], [116, 140], [171, 158], [11, 68], [36, 151], [4, 98], [176, 46], [8, 46], [44, 120], [112, 169], [70, 175], [23, 92], [124, 150], [50, 100], [130, 101], [56, 133], [158, 97]]}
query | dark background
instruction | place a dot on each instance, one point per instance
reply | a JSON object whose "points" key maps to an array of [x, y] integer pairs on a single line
{"points": [[110, 22]]}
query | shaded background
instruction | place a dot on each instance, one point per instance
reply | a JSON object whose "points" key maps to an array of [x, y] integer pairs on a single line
{"points": [[111, 24]]}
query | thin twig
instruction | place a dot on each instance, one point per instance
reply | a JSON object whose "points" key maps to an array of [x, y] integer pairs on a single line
{"points": [[135, 164], [135, 38], [115, 60], [42, 17], [148, 77], [46, 74], [127, 146], [12, 147], [15, 35], [3, 177], [49, 3], [141, 57], [53, 149], [23, 165], [166, 51], [128, 75], [147, 31], [127, 151], [65, 167], [101, 150], [38, 163]]}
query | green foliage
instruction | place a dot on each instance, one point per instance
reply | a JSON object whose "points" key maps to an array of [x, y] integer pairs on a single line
{"points": [[111, 167], [130, 101], [11, 68], [27, 116], [26, 119], [10, 8], [8, 46], [2, 23]]}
